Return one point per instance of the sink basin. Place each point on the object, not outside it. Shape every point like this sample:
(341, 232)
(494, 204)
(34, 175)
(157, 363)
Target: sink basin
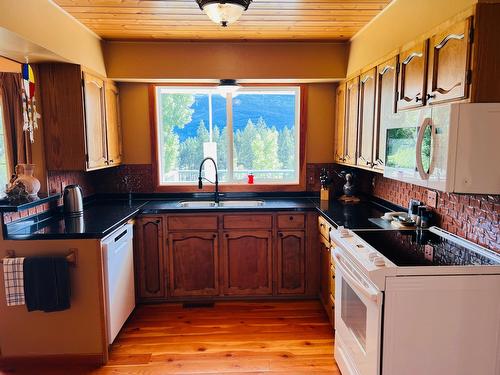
(197, 204)
(228, 203)
(241, 203)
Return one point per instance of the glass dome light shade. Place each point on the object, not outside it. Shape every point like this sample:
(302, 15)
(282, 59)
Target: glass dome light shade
(223, 13)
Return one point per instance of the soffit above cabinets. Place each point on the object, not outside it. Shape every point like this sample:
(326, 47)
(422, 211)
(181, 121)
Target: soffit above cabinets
(264, 19)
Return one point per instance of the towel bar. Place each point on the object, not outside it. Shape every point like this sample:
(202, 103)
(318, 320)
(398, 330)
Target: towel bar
(72, 257)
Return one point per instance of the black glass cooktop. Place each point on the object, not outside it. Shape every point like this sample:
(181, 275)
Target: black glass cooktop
(424, 248)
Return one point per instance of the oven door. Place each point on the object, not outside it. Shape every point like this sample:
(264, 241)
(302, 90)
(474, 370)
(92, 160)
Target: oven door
(358, 313)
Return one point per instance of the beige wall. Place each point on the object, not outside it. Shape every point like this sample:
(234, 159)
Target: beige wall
(42, 26)
(74, 331)
(216, 60)
(401, 22)
(134, 104)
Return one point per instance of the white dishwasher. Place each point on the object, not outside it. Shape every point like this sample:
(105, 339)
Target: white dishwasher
(118, 256)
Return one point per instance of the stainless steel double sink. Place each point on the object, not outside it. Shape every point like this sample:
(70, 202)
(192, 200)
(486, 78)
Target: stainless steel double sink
(225, 203)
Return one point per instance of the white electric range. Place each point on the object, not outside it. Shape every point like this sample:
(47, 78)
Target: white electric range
(415, 303)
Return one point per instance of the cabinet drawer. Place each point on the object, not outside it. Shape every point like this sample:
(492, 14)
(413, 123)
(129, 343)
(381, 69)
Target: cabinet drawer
(324, 228)
(248, 221)
(192, 222)
(291, 221)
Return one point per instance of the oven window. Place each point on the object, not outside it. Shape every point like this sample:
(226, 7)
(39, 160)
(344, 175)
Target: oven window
(353, 314)
(400, 148)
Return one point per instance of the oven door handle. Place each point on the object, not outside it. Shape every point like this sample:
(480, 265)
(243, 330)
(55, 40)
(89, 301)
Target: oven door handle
(370, 292)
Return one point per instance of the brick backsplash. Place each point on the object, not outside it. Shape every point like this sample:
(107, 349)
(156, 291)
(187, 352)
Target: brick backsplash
(471, 216)
(137, 178)
(58, 180)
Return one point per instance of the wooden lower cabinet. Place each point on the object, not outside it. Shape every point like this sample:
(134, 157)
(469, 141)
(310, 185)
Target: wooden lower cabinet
(247, 258)
(150, 258)
(327, 278)
(214, 256)
(193, 264)
(290, 262)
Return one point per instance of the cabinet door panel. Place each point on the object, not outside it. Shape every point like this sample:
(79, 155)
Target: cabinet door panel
(340, 124)
(193, 264)
(351, 130)
(150, 258)
(412, 79)
(385, 107)
(113, 125)
(449, 63)
(366, 118)
(247, 263)
(326, 275)
(291, 261)
(95, 122)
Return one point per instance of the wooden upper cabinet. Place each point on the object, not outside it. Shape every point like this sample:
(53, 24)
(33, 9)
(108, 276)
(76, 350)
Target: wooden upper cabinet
(385, 103)
(81, 121)
(193, 264)
(95, 121)
(113, 128)
(149, 258)
(412, 76)
(340, 124)
(291, 262)
(366, 118)
(351, 120)
(247, 259)
(449, 63)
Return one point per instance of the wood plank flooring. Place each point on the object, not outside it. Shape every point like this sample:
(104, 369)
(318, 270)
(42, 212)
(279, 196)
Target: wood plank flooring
(285, 337)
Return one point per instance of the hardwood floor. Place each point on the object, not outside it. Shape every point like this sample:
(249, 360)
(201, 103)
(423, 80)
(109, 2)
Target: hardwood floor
(286, 337)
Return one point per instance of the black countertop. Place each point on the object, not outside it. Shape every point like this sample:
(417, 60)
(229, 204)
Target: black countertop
(270, 204)
(354, 215)
(103, 216)
(99, 219)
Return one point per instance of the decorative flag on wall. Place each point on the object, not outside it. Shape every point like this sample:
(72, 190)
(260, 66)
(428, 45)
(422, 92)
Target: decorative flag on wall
(30, 114)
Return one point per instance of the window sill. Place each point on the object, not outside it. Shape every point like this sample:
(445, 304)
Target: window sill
(231, 188)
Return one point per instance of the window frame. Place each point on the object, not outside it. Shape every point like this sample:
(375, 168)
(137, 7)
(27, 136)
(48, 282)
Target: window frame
(223, 186)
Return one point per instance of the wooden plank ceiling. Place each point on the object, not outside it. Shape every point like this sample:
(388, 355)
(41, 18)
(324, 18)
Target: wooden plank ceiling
(264, 20)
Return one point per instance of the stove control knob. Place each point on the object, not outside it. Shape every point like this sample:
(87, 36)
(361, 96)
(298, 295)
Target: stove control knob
(344, 233)
(372, 255)
(379, 261)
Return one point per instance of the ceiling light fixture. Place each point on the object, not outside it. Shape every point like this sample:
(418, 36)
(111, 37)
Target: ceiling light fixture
(228, 86)
(223, 12)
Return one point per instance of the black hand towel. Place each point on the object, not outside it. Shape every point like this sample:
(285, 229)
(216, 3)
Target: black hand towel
(46, 283)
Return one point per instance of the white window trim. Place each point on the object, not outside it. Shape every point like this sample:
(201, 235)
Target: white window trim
(230, 132)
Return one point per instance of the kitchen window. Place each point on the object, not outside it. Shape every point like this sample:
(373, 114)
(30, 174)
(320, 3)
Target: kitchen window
(253, 131)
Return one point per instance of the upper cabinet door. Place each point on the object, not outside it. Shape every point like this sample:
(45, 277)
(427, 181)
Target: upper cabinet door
(113, 125)
(351, 120)
(449, 63)
(340, 124)
(95, 122)
(412, 78)
(366, 118)
(385, 107)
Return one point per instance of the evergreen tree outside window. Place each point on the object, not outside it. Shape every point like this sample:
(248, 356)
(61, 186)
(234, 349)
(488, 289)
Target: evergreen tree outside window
(256, 131)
